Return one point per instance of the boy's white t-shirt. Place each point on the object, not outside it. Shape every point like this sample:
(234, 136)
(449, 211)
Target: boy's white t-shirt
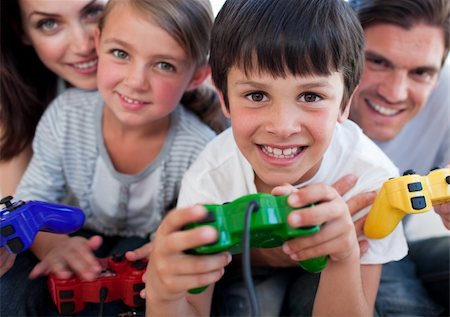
(222, 174)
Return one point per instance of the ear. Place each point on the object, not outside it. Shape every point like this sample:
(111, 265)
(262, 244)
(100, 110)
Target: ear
(97, 40)
(343, 114)
(200, 75)
(225, 111)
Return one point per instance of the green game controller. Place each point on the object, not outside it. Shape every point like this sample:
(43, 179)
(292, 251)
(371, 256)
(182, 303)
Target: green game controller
(268, 228)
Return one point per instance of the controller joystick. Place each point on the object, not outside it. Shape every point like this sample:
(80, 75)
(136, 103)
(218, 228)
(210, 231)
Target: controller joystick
(120, 279)
(408, 194)
(20, 221)
(268, 227)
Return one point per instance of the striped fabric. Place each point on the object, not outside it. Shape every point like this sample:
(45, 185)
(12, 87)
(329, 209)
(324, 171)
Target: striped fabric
(68, 147)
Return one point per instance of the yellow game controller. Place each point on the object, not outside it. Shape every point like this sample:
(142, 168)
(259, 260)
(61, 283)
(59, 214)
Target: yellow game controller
(408, 194)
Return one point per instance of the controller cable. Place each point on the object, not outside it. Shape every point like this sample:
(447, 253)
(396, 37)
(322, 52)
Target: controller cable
(102, 297)
(246, 267)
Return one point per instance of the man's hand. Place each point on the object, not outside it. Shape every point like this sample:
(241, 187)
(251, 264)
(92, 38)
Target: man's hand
(356, 204)
(444, 210)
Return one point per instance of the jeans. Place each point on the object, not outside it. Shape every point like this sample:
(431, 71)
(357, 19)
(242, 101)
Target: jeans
(280, 291)
(20, 296)
(417, 285)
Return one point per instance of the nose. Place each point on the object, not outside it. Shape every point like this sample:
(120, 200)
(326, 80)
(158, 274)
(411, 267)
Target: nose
(394, 86)
(284, 120)
(82, 40)
(137, 77)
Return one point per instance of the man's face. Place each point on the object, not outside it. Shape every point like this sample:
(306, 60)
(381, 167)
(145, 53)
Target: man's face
(400, 72)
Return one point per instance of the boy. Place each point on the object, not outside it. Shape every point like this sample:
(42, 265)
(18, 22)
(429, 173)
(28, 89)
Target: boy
(285, 72)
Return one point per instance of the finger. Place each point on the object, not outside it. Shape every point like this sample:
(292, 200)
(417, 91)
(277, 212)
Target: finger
(316, 215)
(197, 264)
(95, 242)
(285, 189)
(143, 294)
(178, 218)
(360, 201)
(140, 253)
(359, 226)
(345, 183)
(312, 194)
(42, 268)
(84, 263)
(6, 262)
(363, 246)
(187, 239)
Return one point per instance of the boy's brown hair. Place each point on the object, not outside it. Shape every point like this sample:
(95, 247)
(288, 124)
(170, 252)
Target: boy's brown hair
(298, 37)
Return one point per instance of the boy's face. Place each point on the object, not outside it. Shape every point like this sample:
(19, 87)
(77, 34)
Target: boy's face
(283, 125)
(400, 73)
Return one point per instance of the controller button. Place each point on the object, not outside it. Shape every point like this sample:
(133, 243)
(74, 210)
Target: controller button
(415, 187)
(16, 245)
(409, 172)
(138, 300)
(8, 230)
(139, 265)
(67, 308)
(66, 294)
(138, 287)
(447, 179)
(418, 202)
(210, 217)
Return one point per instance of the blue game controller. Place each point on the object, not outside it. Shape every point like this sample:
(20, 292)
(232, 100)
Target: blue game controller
(20, 222)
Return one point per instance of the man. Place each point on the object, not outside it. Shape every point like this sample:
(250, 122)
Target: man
(403, 104)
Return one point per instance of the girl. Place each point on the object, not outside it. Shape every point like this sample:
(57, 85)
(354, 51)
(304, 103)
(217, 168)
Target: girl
(46, 45)
(121, 151)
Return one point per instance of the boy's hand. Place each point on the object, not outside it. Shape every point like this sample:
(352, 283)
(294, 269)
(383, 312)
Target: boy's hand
(337, 236)
(171, 272)
(6, 261)
(73, 255)
(140, 253)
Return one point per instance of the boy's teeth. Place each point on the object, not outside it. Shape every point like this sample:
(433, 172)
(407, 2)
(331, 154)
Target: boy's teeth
(383, 110)
(280, 153)
(86, 64)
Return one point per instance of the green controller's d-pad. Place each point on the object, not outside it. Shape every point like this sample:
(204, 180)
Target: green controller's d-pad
(268, 227)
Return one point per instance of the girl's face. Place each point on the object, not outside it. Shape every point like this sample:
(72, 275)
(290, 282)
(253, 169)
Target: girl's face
(62, 33)
(283, 126)
(142, 71)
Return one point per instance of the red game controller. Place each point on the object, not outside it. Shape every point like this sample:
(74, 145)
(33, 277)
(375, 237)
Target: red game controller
(120, 279)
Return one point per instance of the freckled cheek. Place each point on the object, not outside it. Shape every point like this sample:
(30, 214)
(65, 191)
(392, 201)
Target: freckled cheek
(168, 93)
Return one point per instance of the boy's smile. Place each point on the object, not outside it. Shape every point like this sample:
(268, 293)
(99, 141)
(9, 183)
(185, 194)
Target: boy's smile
(283, 126)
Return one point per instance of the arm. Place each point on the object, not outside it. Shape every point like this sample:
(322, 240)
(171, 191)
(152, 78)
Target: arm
(171, 272)
(11, 172)
(337, 238)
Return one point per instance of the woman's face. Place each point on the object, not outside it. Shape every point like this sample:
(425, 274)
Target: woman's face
(62, 33)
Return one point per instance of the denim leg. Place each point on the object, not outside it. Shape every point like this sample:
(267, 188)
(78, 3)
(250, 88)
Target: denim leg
(300, 293)
(20, 296)
(431, 257)
(401, 292)
(230, 293)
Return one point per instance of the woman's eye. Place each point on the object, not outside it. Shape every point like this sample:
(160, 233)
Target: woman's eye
(119, 54)
(256, 96)
(166, 67)
(95, 12)
(47, 25)
(309, 97)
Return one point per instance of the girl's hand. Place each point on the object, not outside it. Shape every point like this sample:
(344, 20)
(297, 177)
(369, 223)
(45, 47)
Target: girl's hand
(337, 236)
(6, 261)
(140, 253)
(73, 255)
(171, 272)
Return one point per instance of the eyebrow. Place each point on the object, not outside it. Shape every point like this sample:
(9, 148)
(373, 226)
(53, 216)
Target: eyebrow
(424, 68)
(310, 85)
(55, 15)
